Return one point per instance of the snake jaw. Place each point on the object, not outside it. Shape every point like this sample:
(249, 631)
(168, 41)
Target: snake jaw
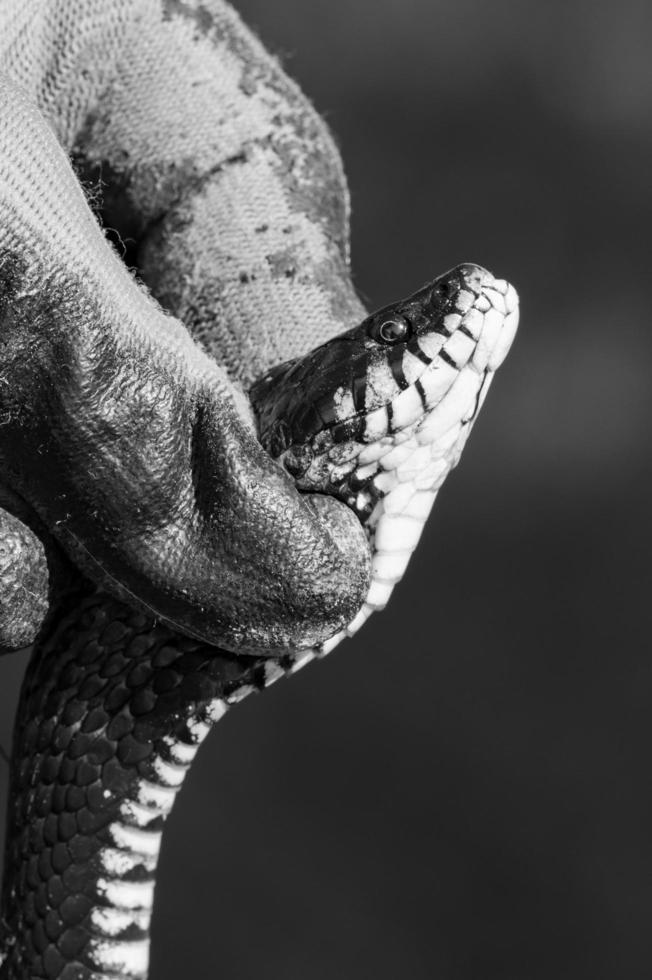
(410, 474)
(397, 432)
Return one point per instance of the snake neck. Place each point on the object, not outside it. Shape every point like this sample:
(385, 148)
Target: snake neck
(113, 709)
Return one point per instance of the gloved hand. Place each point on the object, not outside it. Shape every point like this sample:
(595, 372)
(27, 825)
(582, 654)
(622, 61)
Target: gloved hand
(126, 435)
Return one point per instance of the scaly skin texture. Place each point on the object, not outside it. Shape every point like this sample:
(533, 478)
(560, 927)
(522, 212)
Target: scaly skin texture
(112, 702)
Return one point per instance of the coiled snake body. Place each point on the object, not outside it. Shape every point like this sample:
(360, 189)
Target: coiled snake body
(163, 494)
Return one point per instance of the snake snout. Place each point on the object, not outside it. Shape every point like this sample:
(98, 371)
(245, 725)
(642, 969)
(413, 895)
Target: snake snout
(468, 275)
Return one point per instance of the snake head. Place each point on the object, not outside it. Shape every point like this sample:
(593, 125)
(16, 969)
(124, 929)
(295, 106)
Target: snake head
(378, 417)
(384, 373)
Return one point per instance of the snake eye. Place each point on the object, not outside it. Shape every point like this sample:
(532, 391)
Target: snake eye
(391, 331)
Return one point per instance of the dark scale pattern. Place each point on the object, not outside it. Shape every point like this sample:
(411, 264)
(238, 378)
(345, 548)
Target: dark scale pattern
(104, 688)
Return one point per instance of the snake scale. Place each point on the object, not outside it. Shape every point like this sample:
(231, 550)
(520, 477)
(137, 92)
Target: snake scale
(175, 568)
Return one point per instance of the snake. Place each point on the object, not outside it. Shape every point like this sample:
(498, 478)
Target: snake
(376, 417)
(386, 411)
(129, 675)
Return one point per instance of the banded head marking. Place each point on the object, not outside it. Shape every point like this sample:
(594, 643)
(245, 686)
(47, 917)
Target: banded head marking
(385, 375)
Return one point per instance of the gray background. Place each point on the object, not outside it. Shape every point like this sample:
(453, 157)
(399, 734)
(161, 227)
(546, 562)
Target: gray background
(462, 792)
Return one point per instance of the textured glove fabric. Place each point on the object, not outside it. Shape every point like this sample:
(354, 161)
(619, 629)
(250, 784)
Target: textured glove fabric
(129, 440)
(24, 586)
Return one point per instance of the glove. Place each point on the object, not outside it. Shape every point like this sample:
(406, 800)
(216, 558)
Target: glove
(126, 436)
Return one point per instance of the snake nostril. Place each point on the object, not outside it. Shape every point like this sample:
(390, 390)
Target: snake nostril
(473, 276)
(443, 290)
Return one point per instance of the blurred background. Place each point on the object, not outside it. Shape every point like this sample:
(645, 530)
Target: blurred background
(462, 792)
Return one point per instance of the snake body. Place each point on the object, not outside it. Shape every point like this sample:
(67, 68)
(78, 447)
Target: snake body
(183, 607)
